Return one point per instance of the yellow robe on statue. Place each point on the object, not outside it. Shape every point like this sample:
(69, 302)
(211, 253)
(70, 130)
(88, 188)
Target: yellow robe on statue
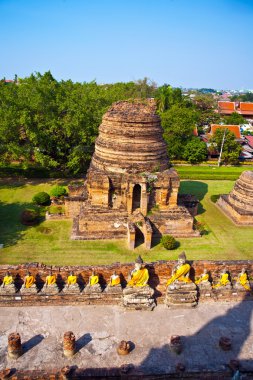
(93, 280)
(243, 280)
(203, 278)
(51, 280)
(29, 281)
(180, 274)
(71, 280)
(8, 280)
(139, 278)
(115, 281)
(223, 281)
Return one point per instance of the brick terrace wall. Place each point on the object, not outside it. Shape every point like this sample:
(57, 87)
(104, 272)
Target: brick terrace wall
(118, 374)
(159, 272)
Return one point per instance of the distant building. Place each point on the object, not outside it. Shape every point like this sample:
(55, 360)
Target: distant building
(246, 109)
(235, 129)
(242, 108)
(8, 81)
(245, 141)
(226, 108)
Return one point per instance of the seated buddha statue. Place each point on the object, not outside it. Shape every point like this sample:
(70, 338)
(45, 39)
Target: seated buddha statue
(72, 285)
(93, 284)
(138, 294)
(180, 274)
(224, 282)
(203, 280)
(181, 290)
(242, 281)
(114, 284)
(50, 285)
(114, 279)
(8, 285)
(139, 275)
(29, 285)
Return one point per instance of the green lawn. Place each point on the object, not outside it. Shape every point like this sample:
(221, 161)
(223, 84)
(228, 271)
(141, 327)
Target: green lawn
(211, 172)
(49, 242)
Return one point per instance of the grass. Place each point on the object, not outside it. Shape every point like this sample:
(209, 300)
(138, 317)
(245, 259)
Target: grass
(211, 172)
(49, 241)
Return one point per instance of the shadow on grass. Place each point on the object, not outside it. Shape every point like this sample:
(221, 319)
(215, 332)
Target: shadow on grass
(10, 183)
(197, 188)
(11, 227)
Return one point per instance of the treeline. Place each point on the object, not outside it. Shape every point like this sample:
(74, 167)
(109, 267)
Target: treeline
(53, 124)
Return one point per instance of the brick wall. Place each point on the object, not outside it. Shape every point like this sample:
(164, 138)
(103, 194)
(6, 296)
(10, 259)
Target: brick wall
(159, 272)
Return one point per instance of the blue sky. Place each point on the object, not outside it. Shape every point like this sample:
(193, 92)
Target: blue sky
(189, 43)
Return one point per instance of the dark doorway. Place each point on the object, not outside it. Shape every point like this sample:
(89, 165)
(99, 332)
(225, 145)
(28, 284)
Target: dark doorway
(139, 237)
(136, 197)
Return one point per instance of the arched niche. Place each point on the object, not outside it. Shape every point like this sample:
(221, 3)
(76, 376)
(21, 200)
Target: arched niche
(136, 201)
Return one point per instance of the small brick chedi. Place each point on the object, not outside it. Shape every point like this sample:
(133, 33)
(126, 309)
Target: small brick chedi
(130, 190)
(238, 204)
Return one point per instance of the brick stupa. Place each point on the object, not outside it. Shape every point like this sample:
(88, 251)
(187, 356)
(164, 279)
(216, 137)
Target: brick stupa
(130, 190)
(238, 204)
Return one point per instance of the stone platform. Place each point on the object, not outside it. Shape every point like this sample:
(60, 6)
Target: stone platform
(238, 204)
(99, 329)
(238, 216)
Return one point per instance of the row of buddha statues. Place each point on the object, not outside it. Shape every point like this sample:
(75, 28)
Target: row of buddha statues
(138, 278)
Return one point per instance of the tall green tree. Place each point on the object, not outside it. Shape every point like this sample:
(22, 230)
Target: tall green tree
(231, 148)
(178, 125)
(167, 97)
(234, 119)
(195, 151)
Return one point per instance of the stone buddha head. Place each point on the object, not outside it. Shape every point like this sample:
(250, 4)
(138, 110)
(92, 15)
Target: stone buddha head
(138, 263)
(182, 258)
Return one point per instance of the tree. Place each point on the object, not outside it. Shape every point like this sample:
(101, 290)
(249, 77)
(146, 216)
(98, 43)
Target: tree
(204, 102)
(195, 151)
(231, 148)
(178, 124)
(235, 119)
(167, 96)
(248, 97)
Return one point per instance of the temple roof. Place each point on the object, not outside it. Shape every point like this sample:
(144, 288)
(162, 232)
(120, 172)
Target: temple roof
(235, 129)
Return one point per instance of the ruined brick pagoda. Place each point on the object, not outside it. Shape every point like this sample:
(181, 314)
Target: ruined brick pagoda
(130, 190)
(238, 204)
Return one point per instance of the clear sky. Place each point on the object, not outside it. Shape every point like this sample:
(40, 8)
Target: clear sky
(189, 43)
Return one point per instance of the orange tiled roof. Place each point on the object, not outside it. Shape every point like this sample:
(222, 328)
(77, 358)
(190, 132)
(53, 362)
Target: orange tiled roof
(226, 106)
(232, 128)
(246, 108)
